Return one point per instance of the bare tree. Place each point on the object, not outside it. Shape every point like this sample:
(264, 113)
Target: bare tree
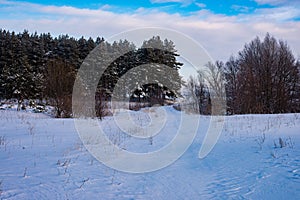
(231, 70)
(263, 78)
(216, 84)
(267, 77)
(101, 103)
(198, 95)
(60, 76)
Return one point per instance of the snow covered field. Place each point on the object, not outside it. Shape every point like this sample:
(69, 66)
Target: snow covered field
(44, 158)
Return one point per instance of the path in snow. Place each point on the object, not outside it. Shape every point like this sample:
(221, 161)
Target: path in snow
(43, 158)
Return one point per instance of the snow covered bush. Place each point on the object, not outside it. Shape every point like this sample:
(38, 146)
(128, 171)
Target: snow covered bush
(284, 143)
(2, 140)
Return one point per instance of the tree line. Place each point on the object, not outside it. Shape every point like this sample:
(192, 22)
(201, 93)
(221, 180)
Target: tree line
(263, 78)
(36, 66)
(44, 67)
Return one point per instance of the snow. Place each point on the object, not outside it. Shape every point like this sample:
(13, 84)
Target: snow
(44, 158)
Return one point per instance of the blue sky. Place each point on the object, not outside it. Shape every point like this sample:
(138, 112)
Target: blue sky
(228, 7)
(221, 27)
(183, 7)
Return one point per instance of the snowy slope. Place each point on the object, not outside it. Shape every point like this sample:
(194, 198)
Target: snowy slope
(44, 158)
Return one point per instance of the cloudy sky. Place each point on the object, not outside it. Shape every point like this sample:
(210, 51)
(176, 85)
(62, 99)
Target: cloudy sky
(222, 27)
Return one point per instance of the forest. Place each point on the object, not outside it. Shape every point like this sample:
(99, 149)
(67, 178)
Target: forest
(262, 78)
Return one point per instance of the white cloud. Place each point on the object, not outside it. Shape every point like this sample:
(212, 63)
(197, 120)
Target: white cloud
(280, 13)
(167, 1)
(240, 8)
(220, 35)
(201, 5)
(270, 2)
(183, 2)
(5, 2)
(294, 3)
(275, 15)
